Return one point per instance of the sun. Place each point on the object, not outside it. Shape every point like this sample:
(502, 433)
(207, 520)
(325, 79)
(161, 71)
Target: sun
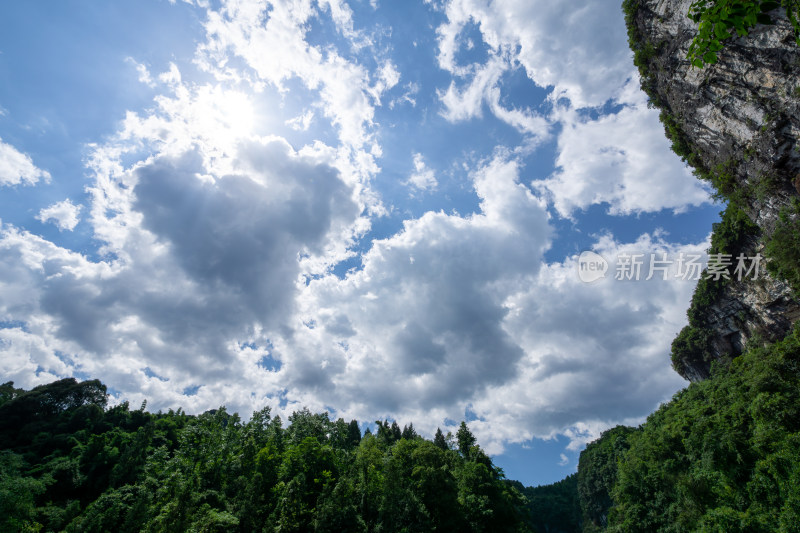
(238, 113)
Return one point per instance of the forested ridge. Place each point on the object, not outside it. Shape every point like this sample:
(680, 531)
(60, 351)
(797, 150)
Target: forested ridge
(70, 463)
(722, 455)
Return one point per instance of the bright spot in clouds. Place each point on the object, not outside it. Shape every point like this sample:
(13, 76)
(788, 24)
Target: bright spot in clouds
(374, 209)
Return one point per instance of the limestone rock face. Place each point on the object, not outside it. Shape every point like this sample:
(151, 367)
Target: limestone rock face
(739, 118)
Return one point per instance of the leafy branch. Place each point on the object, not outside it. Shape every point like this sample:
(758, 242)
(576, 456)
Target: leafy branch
(721, 20)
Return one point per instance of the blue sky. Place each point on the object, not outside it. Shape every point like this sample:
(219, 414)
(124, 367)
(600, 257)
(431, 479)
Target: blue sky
(371, 207)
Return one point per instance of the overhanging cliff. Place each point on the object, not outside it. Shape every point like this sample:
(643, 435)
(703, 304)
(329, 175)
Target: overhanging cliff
(737, 122)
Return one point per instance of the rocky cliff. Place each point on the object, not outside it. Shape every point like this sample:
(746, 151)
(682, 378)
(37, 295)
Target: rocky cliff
(737, 122)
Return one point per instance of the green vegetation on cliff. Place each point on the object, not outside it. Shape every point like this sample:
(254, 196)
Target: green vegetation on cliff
(783, 248)
(693, 343)
(721, 20)
(723, 455)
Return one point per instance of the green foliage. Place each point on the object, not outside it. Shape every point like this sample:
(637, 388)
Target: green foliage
(597, 475)
(720, 20)
(466, 440)
(17, 495)
(79, 467)
(732, 232)
(721, 456)
(783, 248)
(439, 439)
(692, 344)
(643, 53)
(643, 50)
(554, 508)
(8, 392)
(730, 237)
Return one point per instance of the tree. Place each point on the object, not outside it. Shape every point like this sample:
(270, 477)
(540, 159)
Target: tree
(337, 511)
(353, 433)
(435, 486)
(466, 440)
(554, 508)
(597, 475)
(409, 433)
(396, 433)
(8, 392)
(95, 469)
(17, 495)
(439, 440)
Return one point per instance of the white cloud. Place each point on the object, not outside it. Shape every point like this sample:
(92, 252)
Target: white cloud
(207, 233)
(423, 178)
(596, 355)
(270, 38)
(466, 103)
(16, 167)
(142, 71)
(203, 264)
(622, 159)
(65, 215)
(576, 47)
(301, 122)
(408, 96)
(579, 50)
(427, 307)
(388, 77)
(172, 76)
(460, 311)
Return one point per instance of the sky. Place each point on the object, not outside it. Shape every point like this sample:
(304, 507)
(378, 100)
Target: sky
(374, 208)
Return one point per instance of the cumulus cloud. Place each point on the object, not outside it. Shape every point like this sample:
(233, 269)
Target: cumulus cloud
(244, 232)
(578, 48)
(423, 178)
(301, 122)
(208, 232)
(622, 159)
(16, 167)
(579, 51)
(428, 304)
(142, 71)
(64, 214)
(346, 90)
(205, 264)
(459, 313)
(596, 354)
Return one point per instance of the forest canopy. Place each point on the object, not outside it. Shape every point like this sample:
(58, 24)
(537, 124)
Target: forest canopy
(70, 463)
